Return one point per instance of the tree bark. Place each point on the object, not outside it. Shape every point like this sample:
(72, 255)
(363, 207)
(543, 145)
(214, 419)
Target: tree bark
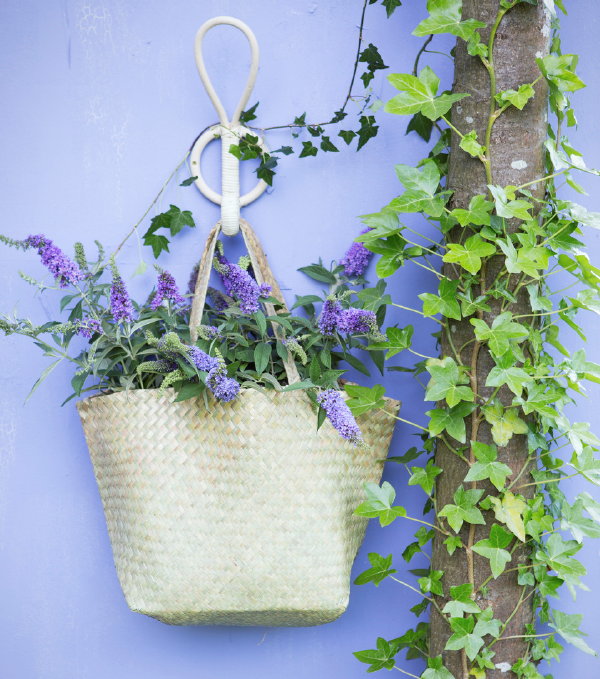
(517, 157)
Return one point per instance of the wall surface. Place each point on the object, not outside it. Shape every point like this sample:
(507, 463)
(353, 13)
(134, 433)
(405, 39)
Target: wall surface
(101, 99)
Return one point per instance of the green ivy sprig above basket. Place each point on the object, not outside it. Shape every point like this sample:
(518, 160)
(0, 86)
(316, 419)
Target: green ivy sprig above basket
(116, 343)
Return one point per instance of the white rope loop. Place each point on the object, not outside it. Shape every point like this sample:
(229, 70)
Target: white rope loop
(230, 132)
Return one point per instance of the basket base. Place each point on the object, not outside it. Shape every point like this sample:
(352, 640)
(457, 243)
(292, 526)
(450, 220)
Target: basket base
(265, 618)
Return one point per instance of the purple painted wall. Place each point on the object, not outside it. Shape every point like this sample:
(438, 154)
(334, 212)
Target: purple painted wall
(100, 101)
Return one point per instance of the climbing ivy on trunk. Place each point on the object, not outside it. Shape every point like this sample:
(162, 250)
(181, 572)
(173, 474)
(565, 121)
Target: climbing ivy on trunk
(498, 442)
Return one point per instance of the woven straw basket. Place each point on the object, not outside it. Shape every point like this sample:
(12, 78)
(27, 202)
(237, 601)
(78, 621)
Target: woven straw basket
(235, 514)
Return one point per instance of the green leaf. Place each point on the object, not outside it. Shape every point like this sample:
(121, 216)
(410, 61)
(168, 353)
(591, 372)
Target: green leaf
(431, 583)
(418, 95)
(446, 382)
(502, 332)
(379, 504)
(567, 625)
(424, 476)
(560, 71)
(492, 548)
(446, 304)
(398, 339)
(262, 354)
(319, 273)
(347, 135)
(469, 634)
(308, 149)
(445, 17)
(379, 658)
(477, 214)
(380, 569)
(364, 399)
(516, 98)
(327, 144)
(451, 420)
(469, 255)
(487, 466)
(189, 390)
(367, 130)
(572, 519)
(505, 372)
(470, 144)
(391, 6)
(174, 220)
(505, 423)
(463, 509)
(436, 670)
(518, 209)
(461, 601)
(452, 542)
(188, 182)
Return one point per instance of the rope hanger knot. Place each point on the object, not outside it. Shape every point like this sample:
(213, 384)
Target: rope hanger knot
(230, 132)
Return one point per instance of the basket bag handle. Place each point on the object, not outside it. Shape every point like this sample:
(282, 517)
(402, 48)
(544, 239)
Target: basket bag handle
(262, 273)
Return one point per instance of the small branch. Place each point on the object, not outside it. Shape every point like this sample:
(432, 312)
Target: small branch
(420, 53)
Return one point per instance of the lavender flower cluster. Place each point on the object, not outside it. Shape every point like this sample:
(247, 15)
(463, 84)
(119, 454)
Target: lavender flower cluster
(352, 321)
(166, 290)
(88, 327)
(239, 284)
(120, 303)
(356, 259)
(340, 415)
(64, 270)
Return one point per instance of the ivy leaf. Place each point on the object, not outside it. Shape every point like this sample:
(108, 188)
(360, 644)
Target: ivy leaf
(557, 554)
(249, 114)
(560, 71)
(451, 420)
(379, 658)
(421, 125)
(572, 519)
(431, 583)
(379, 504)
(347, 135)
(370, 56)
(328, 145)
(446, 304)
(308, 149)
(398, 339)
(501, 333)
(470, 144)
(421, 188)
(424, 476)
(509, 510)
(567, 625)
(418, 95)
(445, 17)
(505, 372)
(469, 255)
(492, 548)
(487, 466)
(446, 382)
(436, 670)
(188, 182)
(367, 130)
(477, 214)
(172, 220)
(461, 601)
(517, 98)
(463, 509)
(518, 209)
(464, 637)
(452, 542)
(391, 6)
(364, 399)
(380, 569)
(505, 423)
(528, 260)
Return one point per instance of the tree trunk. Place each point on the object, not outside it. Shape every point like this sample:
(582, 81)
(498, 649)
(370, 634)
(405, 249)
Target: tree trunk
(517, 157)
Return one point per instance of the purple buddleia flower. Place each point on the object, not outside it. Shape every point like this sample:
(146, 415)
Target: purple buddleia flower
(120, 304)
(64, 270)
(88, 327)
(356, 259)
(224, 388)
(264, 290)
(166, 289)
(355, 321)
(328, 320)
(209, 332)
(202, 360)
(238, 283)
(339, 414)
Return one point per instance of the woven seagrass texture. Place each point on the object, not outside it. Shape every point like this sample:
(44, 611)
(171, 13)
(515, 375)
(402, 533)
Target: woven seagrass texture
(238, 513)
